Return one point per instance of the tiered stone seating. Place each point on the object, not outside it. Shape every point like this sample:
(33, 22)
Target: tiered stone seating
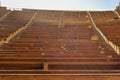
(55, 45)
(6, 31)
(2, 11)
(73, 18)
(17, 18)
(59, 43)
(14, 21)
(108, 25)
(46, 18)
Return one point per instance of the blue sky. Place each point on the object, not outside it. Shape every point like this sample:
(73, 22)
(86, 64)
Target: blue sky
(62, 4)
